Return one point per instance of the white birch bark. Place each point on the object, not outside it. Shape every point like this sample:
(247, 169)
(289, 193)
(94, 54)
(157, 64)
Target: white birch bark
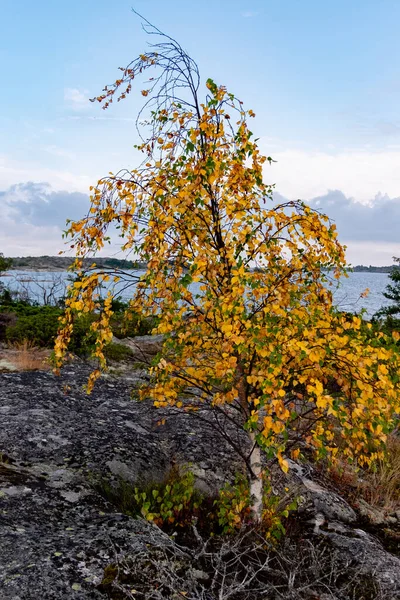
(256, 484)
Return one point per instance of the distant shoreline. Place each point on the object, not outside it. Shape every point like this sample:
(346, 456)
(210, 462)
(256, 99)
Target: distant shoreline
(62, 263)
(34, 270)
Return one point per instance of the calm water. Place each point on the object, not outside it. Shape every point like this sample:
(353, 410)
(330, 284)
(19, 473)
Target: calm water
(38, 285)
(347, 294)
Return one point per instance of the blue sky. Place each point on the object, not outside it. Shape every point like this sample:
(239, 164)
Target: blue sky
(322, 77)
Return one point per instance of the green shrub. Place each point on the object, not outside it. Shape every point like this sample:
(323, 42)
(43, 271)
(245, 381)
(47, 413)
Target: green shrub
(83, 339)
(117, 352)
(175, 502)
(233, 504)
(6, 297)
(233, 508)
(23, 307)
(389, 325)
(123, 326)
(37, 324)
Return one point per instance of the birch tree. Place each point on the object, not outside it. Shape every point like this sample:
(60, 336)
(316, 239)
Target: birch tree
(237, 280)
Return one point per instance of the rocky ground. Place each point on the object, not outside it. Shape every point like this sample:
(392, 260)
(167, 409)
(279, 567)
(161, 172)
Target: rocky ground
(58, 535)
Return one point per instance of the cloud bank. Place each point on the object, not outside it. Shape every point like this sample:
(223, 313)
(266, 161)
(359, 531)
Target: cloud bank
(34, 216)
(377, 221)
(360, 173)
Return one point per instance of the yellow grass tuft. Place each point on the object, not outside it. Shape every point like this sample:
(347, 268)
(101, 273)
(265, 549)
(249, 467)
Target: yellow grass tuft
(381, 484)
(27, 357)
(378, 485)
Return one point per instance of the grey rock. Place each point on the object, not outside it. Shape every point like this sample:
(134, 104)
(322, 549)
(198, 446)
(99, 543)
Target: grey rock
(6, 365)
(200, 575)
(58, 534)
(333, 518)
(319, 500)
(371, 557)
(143, 347)
(374, 515)
(15, 491)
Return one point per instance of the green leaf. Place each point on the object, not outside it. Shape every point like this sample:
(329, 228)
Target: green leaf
(186, 280)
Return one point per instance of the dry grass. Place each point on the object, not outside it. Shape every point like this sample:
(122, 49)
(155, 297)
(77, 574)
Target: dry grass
(27, 357)
(238, 567)
(380, 486)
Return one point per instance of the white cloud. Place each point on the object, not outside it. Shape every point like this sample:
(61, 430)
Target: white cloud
(12, 172)
(29, 240)
(39, 205)
(360, 174)
(76, 99)
(371, 253)
(248, 14)
(374, 221)
(370, 229)
(358, 188)
(33, 217)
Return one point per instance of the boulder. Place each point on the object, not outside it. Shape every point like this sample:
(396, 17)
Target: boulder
(331, 517)
(143, 347)
(59, 535)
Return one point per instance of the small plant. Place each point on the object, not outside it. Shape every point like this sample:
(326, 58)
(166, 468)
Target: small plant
(38, 324)
(234, 508)
(233, 504)
(276, 510)
(174, 501)
(175, 504)
(128, 324)
(22, 320)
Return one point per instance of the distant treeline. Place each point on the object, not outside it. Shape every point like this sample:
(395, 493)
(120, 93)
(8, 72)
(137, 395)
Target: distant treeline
(61, 263)
(371, 269)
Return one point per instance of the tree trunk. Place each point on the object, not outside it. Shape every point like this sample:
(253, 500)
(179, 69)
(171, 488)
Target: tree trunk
(256, 483)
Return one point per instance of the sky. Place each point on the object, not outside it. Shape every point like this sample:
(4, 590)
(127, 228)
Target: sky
(322, 77)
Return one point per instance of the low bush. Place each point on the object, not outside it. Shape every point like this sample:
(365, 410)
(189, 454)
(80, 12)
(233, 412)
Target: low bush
(6, 297)
(38, 324)
(388, 325)
(21, 321)
(83, 339)
(117, 352)
(175, 503)
(6, 320)
(171, 503)
(123, 326)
